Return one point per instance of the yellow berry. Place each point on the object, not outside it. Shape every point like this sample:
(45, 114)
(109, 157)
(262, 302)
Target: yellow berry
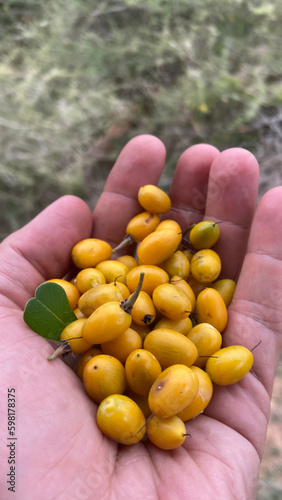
(171, 302)
(171, 347)
(203, 397)
(88, 278)
(158, 246)
(113, 270)
(207, 339)
(204, 234)
(89, 252)
(172, 390)
(153, 199)
(153, 276)
(72, 333)
(205, 265)
(141, 370)
(103, 375)
(226, 288)
(84, 358)
(229, 365)
(121, 419)
(123, 345)
(211, 308)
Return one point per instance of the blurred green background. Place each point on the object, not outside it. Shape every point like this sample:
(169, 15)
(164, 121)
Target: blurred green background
(79, 78)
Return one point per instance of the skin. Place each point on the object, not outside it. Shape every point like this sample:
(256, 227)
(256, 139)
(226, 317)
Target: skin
(61, 453)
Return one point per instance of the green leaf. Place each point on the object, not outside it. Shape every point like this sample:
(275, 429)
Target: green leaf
(49, 312)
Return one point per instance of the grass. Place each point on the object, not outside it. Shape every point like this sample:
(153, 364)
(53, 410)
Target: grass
(78, 80)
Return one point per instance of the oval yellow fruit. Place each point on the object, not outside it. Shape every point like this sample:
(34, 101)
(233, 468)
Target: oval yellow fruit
(172, 390)
(211, 308)
(229, 365)
(121, 419)
(170, 347)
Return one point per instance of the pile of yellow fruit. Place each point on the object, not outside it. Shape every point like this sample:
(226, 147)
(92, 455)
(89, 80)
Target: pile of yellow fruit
(149, 329)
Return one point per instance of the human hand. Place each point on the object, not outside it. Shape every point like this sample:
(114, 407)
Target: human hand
(60, 452)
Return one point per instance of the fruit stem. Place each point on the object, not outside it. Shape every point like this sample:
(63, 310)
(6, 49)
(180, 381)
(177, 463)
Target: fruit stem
(127, 240)
(256, 346)
(62, 348)
(185, 231)
(186, 244)
(148, 420)
(128, 304)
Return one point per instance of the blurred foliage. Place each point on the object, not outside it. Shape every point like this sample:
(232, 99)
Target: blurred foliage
(78, 79)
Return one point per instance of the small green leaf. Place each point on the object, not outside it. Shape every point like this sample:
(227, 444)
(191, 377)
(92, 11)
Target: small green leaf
(49, 312)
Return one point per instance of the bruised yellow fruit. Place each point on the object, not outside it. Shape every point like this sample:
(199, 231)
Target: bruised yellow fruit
(103, 375)
(89, 252)
(141, 225)
(173, 390)
(171, 302)
(121, 419)
(205, 265)
(177, 264)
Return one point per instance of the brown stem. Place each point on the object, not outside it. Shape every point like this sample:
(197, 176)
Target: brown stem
(128, 304)
(185, 231)
(127, 240)
(148, 420)
(256, 345)
(62, 348)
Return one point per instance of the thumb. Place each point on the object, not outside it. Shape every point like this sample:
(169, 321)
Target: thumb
(42, 249)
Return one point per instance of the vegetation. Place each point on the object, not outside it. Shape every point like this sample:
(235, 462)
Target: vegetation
(79, 79)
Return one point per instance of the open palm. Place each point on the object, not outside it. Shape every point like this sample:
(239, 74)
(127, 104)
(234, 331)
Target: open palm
(60, 452)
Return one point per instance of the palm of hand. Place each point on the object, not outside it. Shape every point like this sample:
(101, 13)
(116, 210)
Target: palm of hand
(60, 452)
